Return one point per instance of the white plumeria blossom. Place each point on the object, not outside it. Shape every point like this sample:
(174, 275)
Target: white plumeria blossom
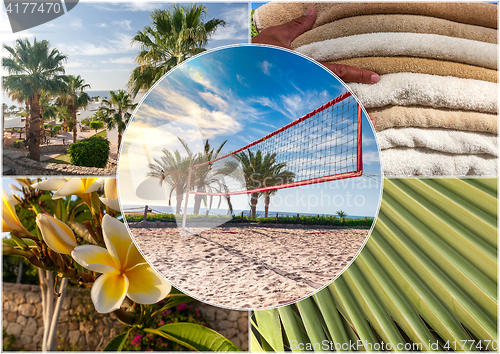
(56, 234)
(69, 186)
(110, 198)
(124, 270)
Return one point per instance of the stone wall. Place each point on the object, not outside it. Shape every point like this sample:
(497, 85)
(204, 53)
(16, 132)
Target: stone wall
(22, 166)
(82, 328)
(62, 149)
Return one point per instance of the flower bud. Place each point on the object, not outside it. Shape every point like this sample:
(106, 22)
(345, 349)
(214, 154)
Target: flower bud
(56, 234)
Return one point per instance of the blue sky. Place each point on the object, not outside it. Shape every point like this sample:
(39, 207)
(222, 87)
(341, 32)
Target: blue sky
(96, 36)
(240, 94)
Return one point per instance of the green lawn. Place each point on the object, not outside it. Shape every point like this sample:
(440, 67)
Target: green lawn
(63, 159)
(102, 134)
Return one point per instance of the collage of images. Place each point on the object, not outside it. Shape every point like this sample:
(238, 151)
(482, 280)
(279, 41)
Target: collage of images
(256, 177)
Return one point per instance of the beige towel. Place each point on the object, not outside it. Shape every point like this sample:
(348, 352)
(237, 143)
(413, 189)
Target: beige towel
(404, 44)
(428, 117)
(441, 140)
(401, 162)
(473, 13)
(389, 65)
(408, 89)
(395, 23)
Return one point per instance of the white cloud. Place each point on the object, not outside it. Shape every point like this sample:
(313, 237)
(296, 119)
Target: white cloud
(125, 24)
(121, 43)
(237, 25)
(122, 60)
(130, 6)
(266, 67)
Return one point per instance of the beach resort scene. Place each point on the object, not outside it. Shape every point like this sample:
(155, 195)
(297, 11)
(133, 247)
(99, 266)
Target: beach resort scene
(242, 175)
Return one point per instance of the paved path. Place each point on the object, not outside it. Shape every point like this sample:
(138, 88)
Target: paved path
(67, 138)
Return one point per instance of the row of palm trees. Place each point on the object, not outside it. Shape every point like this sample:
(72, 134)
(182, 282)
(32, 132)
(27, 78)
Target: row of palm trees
(37, 77)
(251, 169)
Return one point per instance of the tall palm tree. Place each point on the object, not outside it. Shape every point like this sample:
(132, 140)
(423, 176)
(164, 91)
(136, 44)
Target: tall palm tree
(173, 169)
(259, 170)
(173, 36)
(33, 68)
(203, 179)
(117, 113)
(74, 98)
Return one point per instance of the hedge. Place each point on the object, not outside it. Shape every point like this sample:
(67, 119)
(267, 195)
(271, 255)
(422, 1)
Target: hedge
(91, 152)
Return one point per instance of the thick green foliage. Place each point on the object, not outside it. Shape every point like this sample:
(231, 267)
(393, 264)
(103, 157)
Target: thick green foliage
(96, 124)
(91, 152)
(303, 220)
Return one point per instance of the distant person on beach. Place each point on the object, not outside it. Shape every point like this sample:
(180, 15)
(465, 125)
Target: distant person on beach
(283, 35)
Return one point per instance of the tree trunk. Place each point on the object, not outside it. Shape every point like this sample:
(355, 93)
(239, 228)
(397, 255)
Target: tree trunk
(35, 126)
(26, 122)
(197, 202)
(267, 200)
(179, 198)
(254, 198)
(65, 123)
(119, 143)
(229, 206)
(73, 109)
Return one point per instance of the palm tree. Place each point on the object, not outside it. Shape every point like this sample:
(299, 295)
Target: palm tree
(173, 36)
(173, 169)
(341, 214)
(259, 170)
(74, 98)
(203, 179)
(33, 68)
(117, 113)
(276, 175)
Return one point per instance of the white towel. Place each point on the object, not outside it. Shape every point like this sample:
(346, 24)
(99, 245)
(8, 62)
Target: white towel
(401, 162)
(405, 89)
(442, 140)
(422, 45)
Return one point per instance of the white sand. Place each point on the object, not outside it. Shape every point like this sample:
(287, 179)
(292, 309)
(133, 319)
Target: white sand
(248, 266)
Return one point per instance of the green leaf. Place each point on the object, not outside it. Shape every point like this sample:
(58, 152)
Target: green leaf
(269, 327)
(117, 343)
(195, 337)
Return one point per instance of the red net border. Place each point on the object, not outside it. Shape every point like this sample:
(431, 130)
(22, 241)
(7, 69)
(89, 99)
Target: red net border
(357, 173)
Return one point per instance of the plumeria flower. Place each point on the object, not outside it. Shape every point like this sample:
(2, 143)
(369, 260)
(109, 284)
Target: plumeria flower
(110, 198)
(69, 186)
(56, 234)
(10, 221)
(124, 270)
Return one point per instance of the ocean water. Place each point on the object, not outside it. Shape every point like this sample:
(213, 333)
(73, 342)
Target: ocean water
(92, 93)
(260, 213)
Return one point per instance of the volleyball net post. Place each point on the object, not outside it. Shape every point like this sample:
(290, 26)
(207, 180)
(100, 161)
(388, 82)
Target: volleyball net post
(322, 146)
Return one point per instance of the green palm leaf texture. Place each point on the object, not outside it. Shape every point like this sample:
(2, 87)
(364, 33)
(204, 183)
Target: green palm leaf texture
(426, 279)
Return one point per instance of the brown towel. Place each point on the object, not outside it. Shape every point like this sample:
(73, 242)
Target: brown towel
(389, 65)
(473, 13)
(395, 23)
(428, 117)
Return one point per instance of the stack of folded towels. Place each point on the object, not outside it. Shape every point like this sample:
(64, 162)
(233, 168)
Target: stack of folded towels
(435, 106)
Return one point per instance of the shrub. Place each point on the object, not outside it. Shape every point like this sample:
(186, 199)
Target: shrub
(96, 124)
(91, 152)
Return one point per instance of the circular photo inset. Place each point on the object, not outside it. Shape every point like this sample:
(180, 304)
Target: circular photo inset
(249, 177)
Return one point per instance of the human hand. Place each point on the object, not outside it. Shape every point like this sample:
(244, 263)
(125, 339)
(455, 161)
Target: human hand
(283, 35)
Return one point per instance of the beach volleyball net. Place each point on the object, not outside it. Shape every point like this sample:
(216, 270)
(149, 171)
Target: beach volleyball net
(323, 145)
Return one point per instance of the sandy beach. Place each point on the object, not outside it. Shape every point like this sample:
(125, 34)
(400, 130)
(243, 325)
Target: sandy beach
(250, 266)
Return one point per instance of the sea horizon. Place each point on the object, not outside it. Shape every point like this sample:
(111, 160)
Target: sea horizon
(260, 213)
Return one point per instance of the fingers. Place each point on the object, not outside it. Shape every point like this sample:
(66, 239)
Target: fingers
(296, 27)
(352, 74)
(284, 34)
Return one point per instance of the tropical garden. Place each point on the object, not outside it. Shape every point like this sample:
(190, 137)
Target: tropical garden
(36, 79)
